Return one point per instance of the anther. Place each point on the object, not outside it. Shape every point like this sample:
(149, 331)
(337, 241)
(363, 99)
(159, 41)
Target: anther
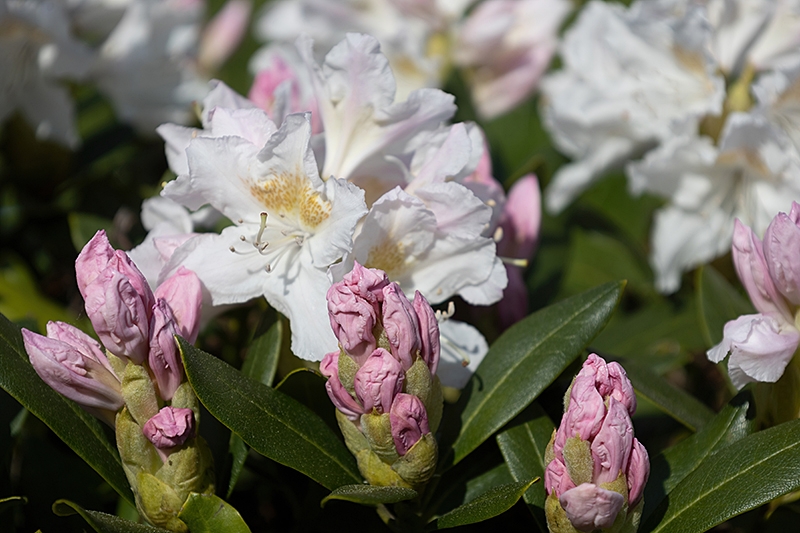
(498, 234)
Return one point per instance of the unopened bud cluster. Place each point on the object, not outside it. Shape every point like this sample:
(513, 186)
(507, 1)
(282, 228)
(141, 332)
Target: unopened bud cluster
(136, 384)
(383, 379)
(596, 469)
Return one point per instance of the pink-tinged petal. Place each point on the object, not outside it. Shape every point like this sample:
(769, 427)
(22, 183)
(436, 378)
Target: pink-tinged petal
(163, 357)
(638, 473)
(119, 314)
(378, 381)
(585, 413)
(76, 338)
(782, 254)
(760, 348)
(589, 507)
(622, 388)
(183, 292)
(611, 448)
(556, 478)
(521, 219)
(401, 325)
(430, 348)
(223, 34)
(751, 266)
(170, 427)
(339, 396)
(74, 373)
(409, 422)
(92, 260)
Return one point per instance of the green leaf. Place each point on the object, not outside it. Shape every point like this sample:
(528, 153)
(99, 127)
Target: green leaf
(717, 302)
(207, 513)
(11, 501)
(733, 423)
(77, 428)
(759, 468)
(526, 359)
(269, 421)
(523, 449)
(369, 495)
(260, 364)
(493, 502)
(308, 387)
(475, 487)
(102, 522)
(677, 403)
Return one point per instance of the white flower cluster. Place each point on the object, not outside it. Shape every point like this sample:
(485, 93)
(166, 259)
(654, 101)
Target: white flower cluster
(141, 54)
(705, 93)
(387, 183)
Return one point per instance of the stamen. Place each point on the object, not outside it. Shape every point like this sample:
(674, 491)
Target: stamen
(242, 238)
(442, 316)
(491, 203)
(461, 353)
(498, 234)
(522, 263)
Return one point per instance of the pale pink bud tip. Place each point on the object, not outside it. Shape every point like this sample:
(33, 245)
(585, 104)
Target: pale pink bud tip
(378, 381)
(638, 473)
(171, 427)
(401, 325)
(183, 292)
(590, 507)
(428, 332)
(409, 422)
(163, 357)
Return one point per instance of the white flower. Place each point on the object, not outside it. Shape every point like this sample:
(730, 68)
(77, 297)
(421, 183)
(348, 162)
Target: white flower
(36, 51)
(631, 78)
(147, 65)
(289, 225)
(749, 176)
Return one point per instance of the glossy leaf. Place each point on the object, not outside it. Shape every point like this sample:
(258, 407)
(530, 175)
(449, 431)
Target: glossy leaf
(717, 302)
(207, 513)
(308, 387)
(77, 428)
(523, 449)
(475, 487)
(678, 404)
(260, 364)
(269, 421)
(669, 468)
(526, 359)
(493, 502)
(369, 495)
(759, 468)
(102, 522)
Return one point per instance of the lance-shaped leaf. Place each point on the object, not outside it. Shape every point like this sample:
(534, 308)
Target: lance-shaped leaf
(526, 359)
(269, 421)
(207, 513)
(77, 428)
(260, 364)
(102, 522)
(669, 468)
(523, 449)
(757, 469)
(717, 302)
(369, 495)
(493, 502)
(677, 403)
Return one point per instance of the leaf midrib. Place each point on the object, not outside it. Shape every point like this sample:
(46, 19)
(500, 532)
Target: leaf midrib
(716, 487)
(519, 361)
(290, 426)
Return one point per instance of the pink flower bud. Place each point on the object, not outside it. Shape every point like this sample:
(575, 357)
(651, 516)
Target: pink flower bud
(589, 507)
(751, 266)
(163, 356)
(171, 427)
(223, 34)
(409, 422)
(585, 413)
(378, 381)
(117, 296)
(329, 367)
(428, 332)
(401, 325)
(638, 472)
(353, 310)
(782, 253)
(74, 365)
(611, 447)
(556, 478)
(184, 294)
